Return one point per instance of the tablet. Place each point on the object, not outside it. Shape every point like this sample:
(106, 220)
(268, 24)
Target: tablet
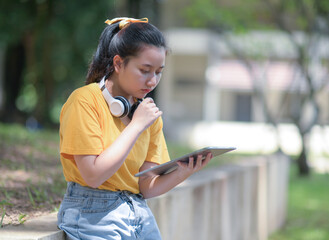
(170, 166)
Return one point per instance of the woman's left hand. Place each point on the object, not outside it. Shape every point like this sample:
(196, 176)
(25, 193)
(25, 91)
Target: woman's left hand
(151, 186)
(187, 169)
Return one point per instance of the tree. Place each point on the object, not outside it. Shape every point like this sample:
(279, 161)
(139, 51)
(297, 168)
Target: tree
(305, 23)
(310, 17)
(48, 46)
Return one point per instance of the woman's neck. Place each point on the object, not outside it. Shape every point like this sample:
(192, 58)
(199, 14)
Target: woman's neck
(116, 90)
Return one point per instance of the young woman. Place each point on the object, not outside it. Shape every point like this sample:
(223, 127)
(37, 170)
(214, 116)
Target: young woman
(109, 132)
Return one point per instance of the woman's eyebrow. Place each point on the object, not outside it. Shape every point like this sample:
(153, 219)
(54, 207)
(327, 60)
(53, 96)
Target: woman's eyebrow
(150, 65)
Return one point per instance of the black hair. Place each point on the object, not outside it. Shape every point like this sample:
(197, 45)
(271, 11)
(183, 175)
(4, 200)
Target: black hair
(126, 42)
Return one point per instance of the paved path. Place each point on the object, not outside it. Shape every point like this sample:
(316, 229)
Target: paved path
(41, 228)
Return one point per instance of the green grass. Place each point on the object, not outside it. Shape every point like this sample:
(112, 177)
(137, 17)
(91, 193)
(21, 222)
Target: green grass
(31, 178)
(308, 209)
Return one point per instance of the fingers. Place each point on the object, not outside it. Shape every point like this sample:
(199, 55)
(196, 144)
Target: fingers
(186, 169)
(207, 159)
(150, 103)
(200, 162)
(191, 163)
(149, 100)
(146, 113)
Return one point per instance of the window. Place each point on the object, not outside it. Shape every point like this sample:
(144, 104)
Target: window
(243, 108)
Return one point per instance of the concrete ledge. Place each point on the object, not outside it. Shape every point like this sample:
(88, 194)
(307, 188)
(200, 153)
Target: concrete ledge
(41, 228)
(242, 201)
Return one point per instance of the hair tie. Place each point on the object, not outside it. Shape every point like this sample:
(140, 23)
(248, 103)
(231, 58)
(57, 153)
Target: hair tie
(124, 21)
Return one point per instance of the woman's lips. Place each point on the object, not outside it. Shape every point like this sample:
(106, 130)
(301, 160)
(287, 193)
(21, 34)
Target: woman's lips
(146, 90)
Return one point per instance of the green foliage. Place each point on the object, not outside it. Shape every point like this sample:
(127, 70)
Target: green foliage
(2, 216)
(7, 195)
(27, 101)
(37, 195)
(22, 218)
(3, 205)
(235, 16)
(30, 196)
(59, 38)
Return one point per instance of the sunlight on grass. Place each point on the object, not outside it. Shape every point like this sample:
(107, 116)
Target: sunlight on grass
(15, 133)
(308, 209)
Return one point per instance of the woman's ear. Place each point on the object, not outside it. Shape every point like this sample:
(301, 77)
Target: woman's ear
(117, 63)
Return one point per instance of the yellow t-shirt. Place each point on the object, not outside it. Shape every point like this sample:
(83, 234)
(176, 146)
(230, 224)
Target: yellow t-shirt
(87, 128)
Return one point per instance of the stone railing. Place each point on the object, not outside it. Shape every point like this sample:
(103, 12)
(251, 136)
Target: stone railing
(244, 201)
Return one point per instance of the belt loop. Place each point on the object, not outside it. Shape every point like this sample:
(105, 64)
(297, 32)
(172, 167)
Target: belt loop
(140, 196)
(124, 195)
(69, 189)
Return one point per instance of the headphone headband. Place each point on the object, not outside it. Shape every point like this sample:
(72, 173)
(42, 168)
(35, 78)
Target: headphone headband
(119, 106)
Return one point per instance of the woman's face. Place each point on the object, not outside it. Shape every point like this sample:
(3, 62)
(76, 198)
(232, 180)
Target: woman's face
(141, 74)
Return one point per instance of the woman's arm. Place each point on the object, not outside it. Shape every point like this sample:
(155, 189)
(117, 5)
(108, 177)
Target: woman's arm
(95, 170)
(152, 186)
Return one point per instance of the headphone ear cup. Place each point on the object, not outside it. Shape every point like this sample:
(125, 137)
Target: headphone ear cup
(124, 108)
(133, 108)
(119, 106)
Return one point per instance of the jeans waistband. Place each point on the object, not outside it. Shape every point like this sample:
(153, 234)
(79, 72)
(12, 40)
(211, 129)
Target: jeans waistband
(75, 189)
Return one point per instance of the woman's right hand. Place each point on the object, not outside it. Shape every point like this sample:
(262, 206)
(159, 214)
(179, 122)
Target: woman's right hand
(94, 169)
(146, 113)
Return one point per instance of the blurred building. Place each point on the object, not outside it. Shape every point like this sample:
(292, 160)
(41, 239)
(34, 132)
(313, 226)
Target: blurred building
(204, 80)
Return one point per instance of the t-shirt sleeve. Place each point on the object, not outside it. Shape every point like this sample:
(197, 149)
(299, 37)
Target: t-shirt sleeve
(158, 151)
(80, 129)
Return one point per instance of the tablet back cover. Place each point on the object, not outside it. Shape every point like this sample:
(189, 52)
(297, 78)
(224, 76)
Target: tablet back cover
(170, 166)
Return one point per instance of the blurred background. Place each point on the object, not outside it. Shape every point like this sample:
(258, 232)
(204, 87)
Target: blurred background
(251, 74)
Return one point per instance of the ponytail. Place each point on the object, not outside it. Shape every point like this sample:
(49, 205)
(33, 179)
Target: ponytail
(102, 63)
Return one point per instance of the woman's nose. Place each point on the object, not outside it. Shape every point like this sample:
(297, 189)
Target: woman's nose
(153, 80)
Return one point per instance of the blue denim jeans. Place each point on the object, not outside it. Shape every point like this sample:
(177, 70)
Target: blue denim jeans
(92, 214)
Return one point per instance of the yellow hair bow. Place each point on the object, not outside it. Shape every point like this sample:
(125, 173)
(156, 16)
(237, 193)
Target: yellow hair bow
(124, 21)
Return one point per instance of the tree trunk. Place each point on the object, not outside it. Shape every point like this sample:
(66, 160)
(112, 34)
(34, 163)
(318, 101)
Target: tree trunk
(303, 167)
(45, 84)
(14, 66)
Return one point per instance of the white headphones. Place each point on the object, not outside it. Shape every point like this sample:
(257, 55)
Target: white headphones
(119, 106)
